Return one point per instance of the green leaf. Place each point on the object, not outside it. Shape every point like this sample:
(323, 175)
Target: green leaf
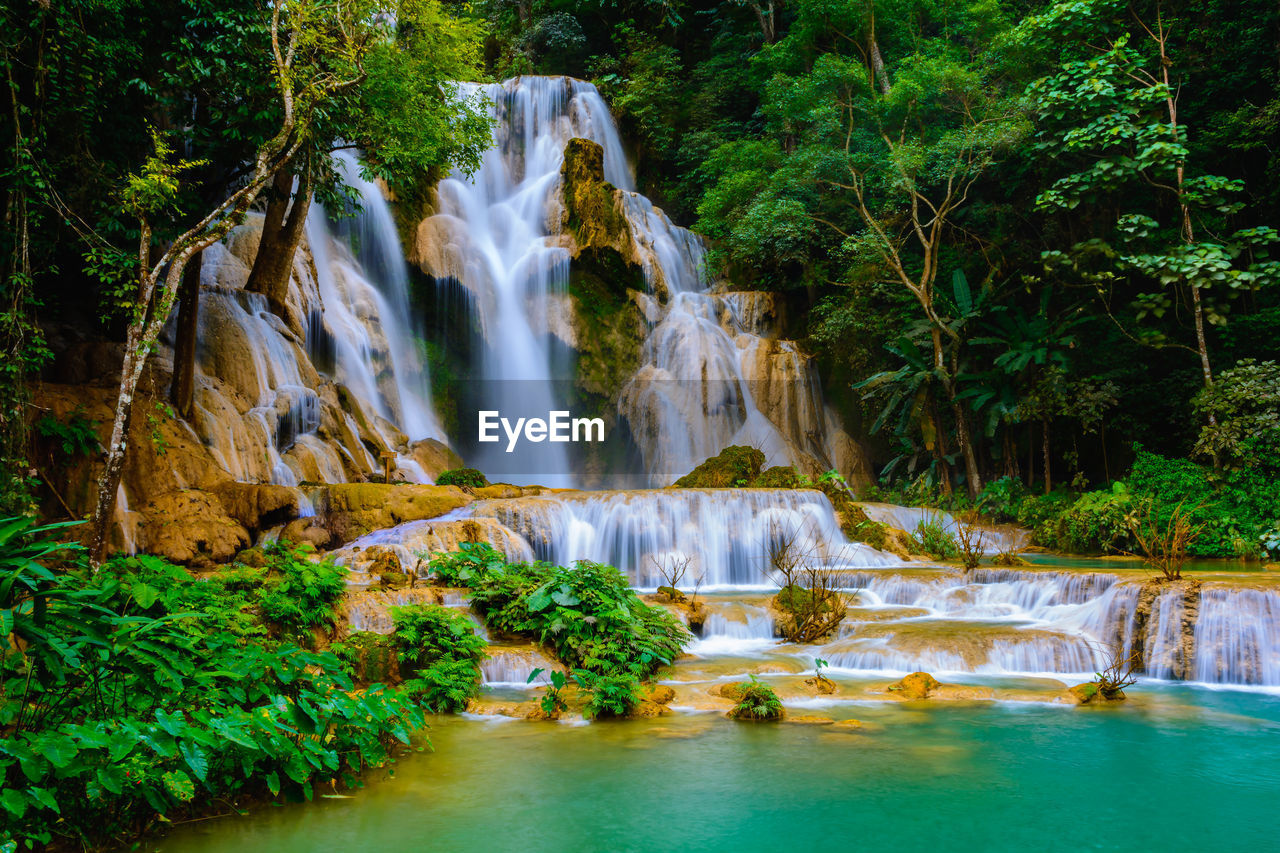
(195, 758)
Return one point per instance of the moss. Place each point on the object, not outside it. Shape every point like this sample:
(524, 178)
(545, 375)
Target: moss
(736, 465)
(611, 328)
(778, 477)
(357, 508)
(591, 211)
(463, 477)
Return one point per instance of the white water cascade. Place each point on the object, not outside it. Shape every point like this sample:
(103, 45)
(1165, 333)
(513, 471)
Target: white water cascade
(725, 533)
(709, 377)
(406, 394)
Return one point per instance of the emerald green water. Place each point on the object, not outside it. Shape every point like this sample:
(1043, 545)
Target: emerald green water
(1175, 768)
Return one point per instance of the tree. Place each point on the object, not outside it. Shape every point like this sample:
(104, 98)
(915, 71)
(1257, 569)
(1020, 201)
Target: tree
(1112, 114)
(317, 50)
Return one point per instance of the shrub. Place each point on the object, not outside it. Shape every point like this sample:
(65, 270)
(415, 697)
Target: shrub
(934, 538)
(150, 708)
(463, 567)
(591, 618)
(299, 595)
(1243, 413)
(758, 702)
(1001, 499)
(439, 656)
(466, 478)
(1097, 521)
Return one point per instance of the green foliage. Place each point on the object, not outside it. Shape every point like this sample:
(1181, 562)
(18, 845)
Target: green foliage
(552, 702)
(1001, 498)
(758, 702)
(933, 537)
(463, 567)
(296, 594)
(127, 702)
(77, 437)
(1242, 414)
(591, 618)
(1096, 521)
(440, 655)
(467, 478)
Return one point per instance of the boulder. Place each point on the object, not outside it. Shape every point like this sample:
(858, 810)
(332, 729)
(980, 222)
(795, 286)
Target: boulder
(917, 685)
(354, 509)
(256, 506)
(736, 465)
(191, 528)
(306, 531)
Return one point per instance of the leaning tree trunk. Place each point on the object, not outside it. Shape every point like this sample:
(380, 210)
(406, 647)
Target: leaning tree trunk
(182, 389)
(281, 235)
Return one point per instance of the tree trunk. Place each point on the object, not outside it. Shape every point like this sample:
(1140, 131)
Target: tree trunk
(182, 389)
(281, 235)
(972, 477)
(940, 448)
(1031, 454)
(877, 64)
(1048, 478)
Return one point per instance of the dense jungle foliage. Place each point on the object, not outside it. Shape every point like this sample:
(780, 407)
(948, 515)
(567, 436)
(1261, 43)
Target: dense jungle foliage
(1022, 237)
(1031, 238)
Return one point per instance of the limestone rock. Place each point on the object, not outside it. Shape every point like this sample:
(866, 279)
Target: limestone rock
(810, 720)
(258, 507)
(354, 509)
(191, 528)
(822, 686)
(917, 685)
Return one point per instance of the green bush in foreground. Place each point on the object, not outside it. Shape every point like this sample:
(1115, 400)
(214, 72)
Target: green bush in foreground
(137, 695)
(589, 617)
(757, 702)
(439, 656)
(467, 478)
(935, 540)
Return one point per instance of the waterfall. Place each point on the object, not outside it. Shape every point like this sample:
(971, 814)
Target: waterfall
(710, 375)
(501, 244)
(725, 533)
(1237, 636)
(378, 250)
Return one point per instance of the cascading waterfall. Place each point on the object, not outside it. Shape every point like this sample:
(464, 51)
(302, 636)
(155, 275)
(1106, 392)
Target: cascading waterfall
(725, 534)
(497, 234)
(377, 248)
(502, 246)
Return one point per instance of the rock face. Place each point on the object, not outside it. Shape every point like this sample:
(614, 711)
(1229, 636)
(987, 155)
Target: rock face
(354, 509)
(1173, 653)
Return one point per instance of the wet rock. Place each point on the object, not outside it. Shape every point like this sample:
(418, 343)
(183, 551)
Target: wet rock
(729, 690)
(917, 685)
(306, 531)
(1089, 694)
(662, 694)
(821, 685)
(809, 720)
(257, 506)
(254, 558)
(354, 509)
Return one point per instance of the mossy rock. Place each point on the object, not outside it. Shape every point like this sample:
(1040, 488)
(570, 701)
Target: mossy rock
(354, 509)
(778, 477)
(610, 329)
(917, 685)
(857, 527)
(253, 557)
(592, 213)
(466, 478)
(736, 465)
